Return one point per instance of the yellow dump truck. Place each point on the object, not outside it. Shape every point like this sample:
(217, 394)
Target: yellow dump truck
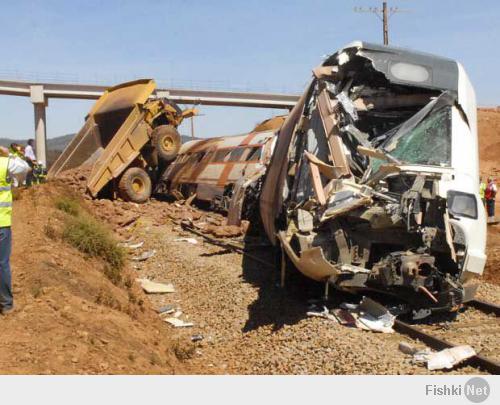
(128, 137)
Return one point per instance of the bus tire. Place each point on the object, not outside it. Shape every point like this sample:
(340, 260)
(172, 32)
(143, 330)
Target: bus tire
(135, 185)
(166, 141)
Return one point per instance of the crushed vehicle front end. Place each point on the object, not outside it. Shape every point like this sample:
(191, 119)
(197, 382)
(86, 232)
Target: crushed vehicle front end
(377, 168)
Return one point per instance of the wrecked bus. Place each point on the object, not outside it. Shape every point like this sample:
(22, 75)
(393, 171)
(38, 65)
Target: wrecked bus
(373, 184)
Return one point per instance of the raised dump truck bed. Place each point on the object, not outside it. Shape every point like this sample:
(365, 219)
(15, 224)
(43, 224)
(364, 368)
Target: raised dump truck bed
(126, 137)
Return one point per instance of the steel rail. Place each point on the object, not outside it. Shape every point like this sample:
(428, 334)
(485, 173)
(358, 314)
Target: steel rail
(487, 307)
(401, 327)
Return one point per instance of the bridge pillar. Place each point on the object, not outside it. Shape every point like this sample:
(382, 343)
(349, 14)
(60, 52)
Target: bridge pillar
(40, 102)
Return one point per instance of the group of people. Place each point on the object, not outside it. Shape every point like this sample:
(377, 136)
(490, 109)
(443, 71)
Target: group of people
(488, 193)
(38, 171)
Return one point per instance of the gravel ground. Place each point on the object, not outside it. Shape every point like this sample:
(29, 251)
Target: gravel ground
(250, 326)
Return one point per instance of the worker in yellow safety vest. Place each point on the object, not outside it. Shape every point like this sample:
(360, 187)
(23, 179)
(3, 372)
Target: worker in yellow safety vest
(11, 167)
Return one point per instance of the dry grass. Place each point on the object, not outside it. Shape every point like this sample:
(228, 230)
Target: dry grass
(93, 239)
(68, 205)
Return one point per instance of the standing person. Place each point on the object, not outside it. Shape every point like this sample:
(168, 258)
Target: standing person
(490, 195)
(29, 154)
(482, 190)
(10, 167)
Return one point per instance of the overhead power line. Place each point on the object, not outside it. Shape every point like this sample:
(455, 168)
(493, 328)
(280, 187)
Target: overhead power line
(384, 14)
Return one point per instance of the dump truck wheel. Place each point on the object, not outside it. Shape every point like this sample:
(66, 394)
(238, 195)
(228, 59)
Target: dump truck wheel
(135, 185)
(166, 141)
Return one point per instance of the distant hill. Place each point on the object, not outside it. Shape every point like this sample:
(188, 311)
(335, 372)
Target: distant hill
(56, 145)
(60, 142)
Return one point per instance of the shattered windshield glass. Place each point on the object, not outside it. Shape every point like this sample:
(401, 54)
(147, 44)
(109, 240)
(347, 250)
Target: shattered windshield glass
(427, 143)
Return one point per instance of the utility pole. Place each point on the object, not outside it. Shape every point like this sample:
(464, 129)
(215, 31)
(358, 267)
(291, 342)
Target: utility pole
(385, 23)
(383, 14)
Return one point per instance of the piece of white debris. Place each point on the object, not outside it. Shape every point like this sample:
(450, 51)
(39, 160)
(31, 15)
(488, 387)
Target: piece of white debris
(134, 246)
(144, 256)
(448, 358)
(188, 240)
(130, 245)
(178, 323)
(369, 315)
(152, 287)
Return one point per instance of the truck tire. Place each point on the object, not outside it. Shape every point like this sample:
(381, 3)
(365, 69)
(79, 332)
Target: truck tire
(167, 142)
(135, 185)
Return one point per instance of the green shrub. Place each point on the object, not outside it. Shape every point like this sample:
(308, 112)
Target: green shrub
(93, 239)
(68, 205)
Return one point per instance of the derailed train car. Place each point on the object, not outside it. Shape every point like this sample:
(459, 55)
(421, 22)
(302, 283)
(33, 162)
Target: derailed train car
(223, 170)
(373, 182)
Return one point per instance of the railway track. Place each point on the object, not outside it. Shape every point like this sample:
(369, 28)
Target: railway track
(478, 361)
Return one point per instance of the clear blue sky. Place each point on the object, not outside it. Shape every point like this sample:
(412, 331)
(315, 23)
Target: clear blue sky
(265, 45)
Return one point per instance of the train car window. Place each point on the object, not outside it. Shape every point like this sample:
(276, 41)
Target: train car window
(221, 155)
(254, 154)
(235, 154)
(208, 156)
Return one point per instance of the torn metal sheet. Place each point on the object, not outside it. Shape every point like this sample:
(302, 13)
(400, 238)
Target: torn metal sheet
(312, 261)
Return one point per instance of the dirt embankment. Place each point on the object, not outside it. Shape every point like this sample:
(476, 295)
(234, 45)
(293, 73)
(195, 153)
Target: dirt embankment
(69, 317)
(489, 162)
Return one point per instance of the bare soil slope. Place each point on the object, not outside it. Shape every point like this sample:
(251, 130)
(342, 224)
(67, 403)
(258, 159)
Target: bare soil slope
(69, 317)
(489, 162)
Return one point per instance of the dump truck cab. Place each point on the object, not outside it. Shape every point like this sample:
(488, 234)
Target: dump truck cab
(129, 136)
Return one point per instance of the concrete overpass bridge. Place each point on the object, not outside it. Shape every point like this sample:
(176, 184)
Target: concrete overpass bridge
(40, 93)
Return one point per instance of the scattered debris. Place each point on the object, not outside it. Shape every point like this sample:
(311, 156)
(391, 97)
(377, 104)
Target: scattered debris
(368, 315)
(188, 240)
(178, 323)
(166, 309)
(444, 359)
(375, 317)
(322, 314)
(448, 358)
(131, 246)
(196, 338)
(144, 256)
(152, 287)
